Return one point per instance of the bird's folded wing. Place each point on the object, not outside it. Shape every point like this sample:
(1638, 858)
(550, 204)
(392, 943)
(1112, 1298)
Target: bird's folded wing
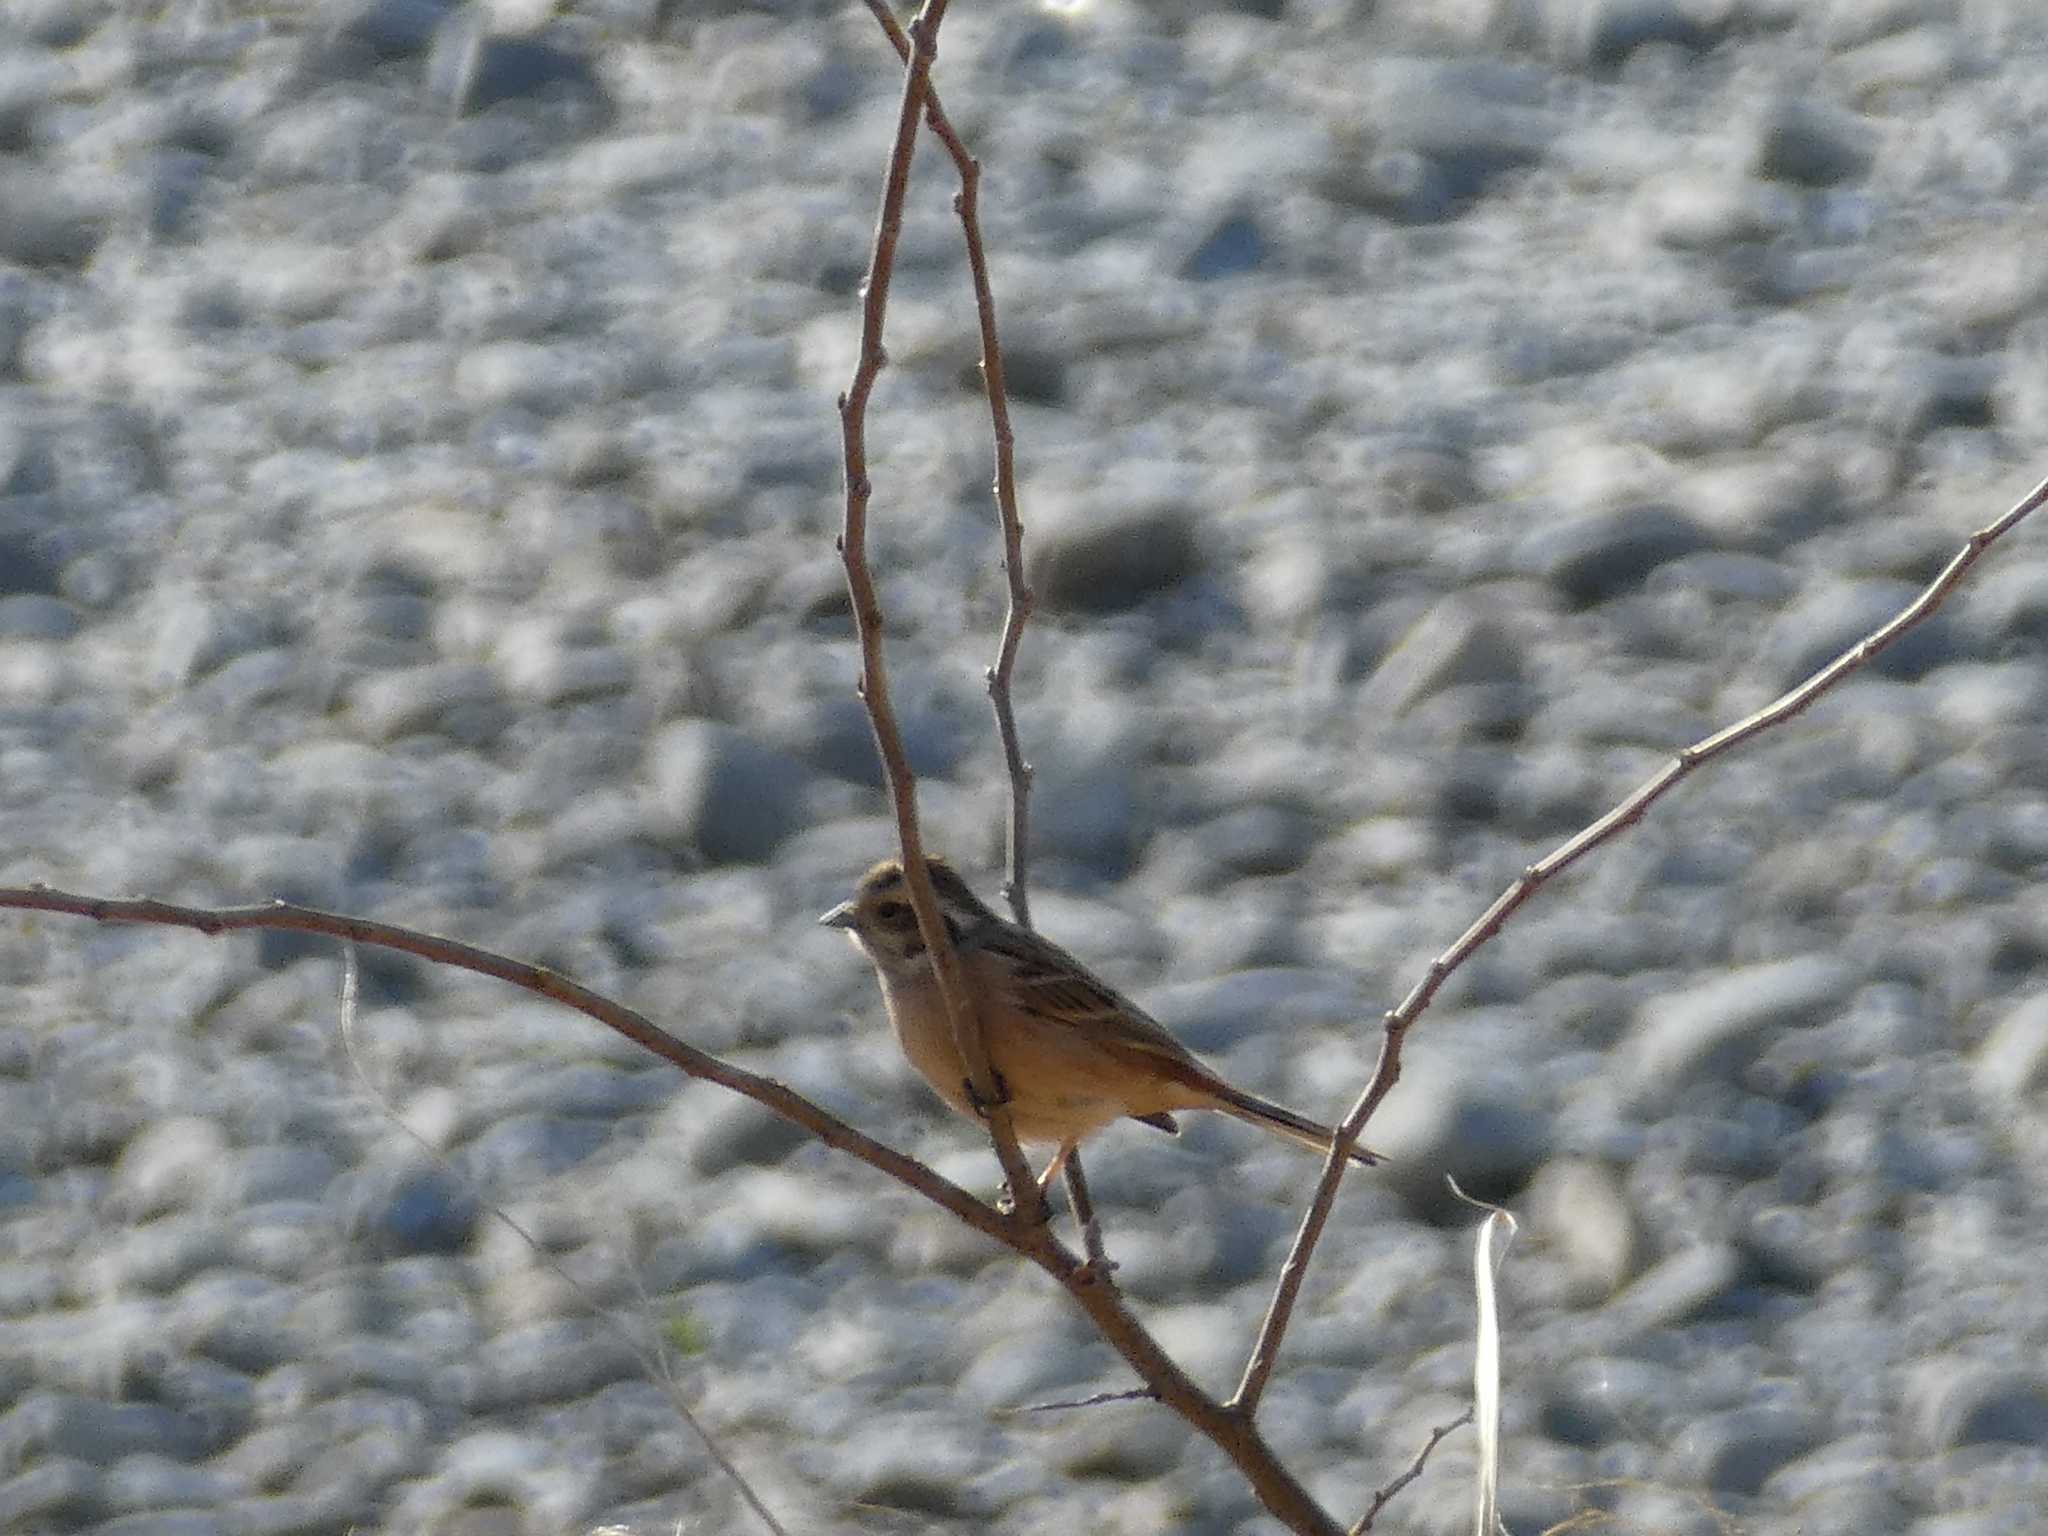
(1053, 985)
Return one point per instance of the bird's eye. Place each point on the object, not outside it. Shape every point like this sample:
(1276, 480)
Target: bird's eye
(889, 911)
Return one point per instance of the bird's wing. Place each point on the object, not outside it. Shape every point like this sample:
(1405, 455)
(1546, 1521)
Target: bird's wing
(1054, 986)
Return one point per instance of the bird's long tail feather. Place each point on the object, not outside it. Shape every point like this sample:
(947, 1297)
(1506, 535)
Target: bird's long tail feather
(1269, 1116)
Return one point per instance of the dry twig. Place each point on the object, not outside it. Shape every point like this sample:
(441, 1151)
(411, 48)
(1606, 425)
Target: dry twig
(867, 616)
(967, 204)
(1094, 1400)
(1395, 1025)
(1414, 1470)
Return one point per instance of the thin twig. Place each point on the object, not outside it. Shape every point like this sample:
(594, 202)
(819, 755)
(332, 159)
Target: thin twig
(867, 614)
(1095, 1400)
(1395, 1025)
(967, 204)
(1380, 1499)
(653, 1356)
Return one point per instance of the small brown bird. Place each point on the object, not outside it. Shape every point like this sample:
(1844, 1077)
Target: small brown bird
(1073, 1052)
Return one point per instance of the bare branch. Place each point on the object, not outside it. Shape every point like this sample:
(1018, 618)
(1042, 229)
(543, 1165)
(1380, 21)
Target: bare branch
(771, 1095)
(867, 614)
(1095, 1400)
(968, 205)
(1395, 1025)
(1381, 1498)
(1236, 1437)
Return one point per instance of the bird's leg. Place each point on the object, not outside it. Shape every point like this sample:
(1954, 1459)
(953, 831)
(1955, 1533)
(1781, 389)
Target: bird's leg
(1006, 1197)
(1052, 1169)
(1098, 1266)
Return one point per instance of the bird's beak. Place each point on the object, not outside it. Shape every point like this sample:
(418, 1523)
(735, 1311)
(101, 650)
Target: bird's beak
(840, 916)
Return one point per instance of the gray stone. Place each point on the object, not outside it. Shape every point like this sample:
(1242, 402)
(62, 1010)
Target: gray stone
(724, 795)
(57, 1493)
(410, 1208)
(1123, 1444)
(1012, 1372)
(141, 1483)
(1467, 1114)
(1963, 1404)
(192, 636)
(101, 1433)
(174, 1163)
(542, 666)
(1090, 819)
(158, 1255)
(1111, 560)
(48, 223)
(1735, 1451)
(473, 69)
(1676, 1291)
(1235, 244)
(1686, 210)
(525, 1150)
(2012, 1061)
(1262, 839)
(455, 699)
(1579, 1207)
(1591, 558)
(833, 733)
(25, 565)
(1451, 646)
(1711, 1032)
(1224, 1011)
(166, 1522)
(918, 1463)
(1596, 1399)
(34, 616)
(719, 1131)
(1445, 131)
(552, 1362)
(295, 1514)
(1788, 1248)
(392, 29)
(1760, 502)
(1603, 33)
(1813, 145)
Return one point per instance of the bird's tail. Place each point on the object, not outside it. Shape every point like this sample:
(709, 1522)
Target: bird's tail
(1269, 1116)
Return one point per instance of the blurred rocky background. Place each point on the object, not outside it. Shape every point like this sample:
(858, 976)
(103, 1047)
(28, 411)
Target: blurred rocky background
(418, 473)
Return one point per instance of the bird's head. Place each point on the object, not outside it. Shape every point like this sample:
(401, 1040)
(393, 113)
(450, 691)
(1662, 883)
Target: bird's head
(879, 920)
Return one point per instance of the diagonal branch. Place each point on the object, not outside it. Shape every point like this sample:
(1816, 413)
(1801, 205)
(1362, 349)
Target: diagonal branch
(1233, 1434)
(284, 917)
(1625, 814)
(968, 1032)
(1409, 1474)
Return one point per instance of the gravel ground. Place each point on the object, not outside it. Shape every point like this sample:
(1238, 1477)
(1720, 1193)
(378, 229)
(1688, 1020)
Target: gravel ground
(417, 480)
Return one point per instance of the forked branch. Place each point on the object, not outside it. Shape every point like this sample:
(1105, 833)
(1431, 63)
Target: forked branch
(967, 203)
(968, 1033)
